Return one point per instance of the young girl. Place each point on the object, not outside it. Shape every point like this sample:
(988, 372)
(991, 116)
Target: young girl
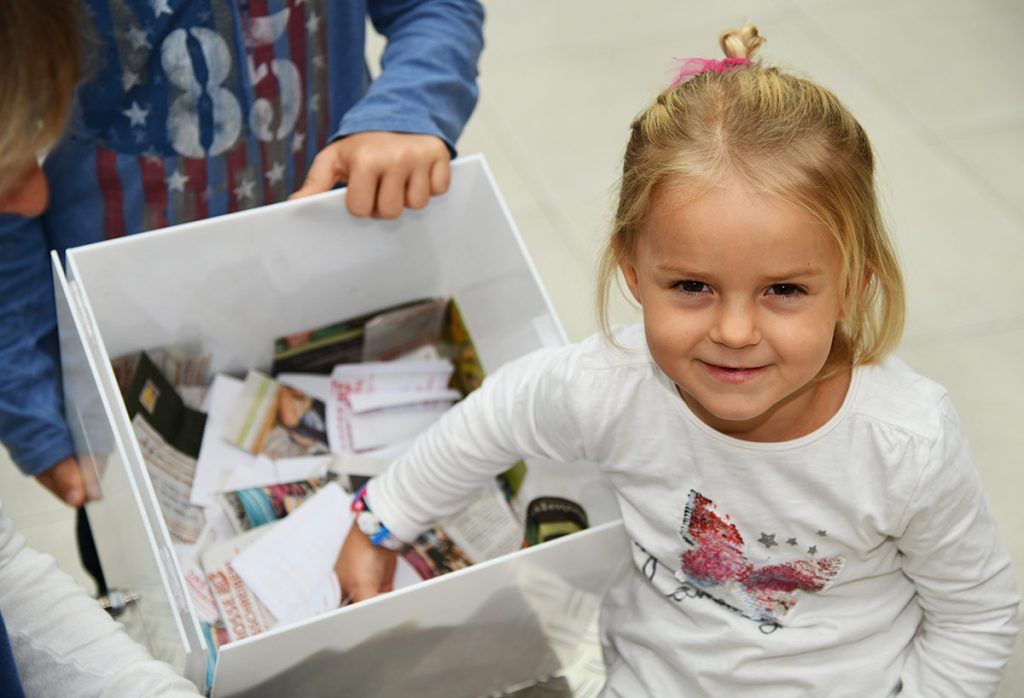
(804, 512)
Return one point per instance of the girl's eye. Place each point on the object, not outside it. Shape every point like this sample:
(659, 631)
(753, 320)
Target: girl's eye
(691, 287)
(784, 290)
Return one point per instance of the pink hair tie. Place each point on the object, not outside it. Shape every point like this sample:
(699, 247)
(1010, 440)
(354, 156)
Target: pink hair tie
(697, 66)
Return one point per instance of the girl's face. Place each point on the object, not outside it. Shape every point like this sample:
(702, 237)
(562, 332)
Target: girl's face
(740, 296)
(25, 194)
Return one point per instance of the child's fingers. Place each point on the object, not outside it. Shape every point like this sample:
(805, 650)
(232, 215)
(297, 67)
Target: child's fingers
(440, 176)
(391, 194)
(323, 174)
(417, 190)
(65, 481)
(361, 195)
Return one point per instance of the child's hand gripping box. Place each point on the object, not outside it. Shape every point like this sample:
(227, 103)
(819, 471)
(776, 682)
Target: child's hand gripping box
(233, 285)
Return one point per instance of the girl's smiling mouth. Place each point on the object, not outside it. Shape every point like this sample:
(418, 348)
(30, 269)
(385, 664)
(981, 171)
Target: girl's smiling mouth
(733, 374)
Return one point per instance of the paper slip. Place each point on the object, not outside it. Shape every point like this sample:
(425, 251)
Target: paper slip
(217, 458)
(222, 467)
(197, 584)
(258, 506)
(171, 473)
(241, 611)
(380, 428)
(486, 527)
(315, 385)
(218, 527)
(291, 569)
(367, 402)
(277, 420)
(375, 405)
(390, 376)
(403, 330)
(265, 472)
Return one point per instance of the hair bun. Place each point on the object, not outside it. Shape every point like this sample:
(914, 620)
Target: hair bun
(740, 43)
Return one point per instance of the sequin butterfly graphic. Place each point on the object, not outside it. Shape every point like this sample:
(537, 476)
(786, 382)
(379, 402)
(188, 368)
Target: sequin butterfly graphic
(717, 566)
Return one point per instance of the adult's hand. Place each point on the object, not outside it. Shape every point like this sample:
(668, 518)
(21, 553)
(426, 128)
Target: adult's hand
(384, 171)
(65, 481)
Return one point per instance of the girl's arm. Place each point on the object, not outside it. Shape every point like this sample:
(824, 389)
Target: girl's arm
(524, 410)
(962, 573)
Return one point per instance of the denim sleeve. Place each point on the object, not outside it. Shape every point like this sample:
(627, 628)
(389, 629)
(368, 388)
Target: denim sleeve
(32, 423)
(428, 71)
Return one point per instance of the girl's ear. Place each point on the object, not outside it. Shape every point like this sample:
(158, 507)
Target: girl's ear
(629, 273)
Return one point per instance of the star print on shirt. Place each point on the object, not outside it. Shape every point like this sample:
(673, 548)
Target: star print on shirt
(791, 541)
(767, 540)
(275, 174)
(129, 80)
(176, 182)
(161, 7)
(138, 38)
(245, 189)
(813, 550)
(313, 23)
(136, 114)
(822, 533)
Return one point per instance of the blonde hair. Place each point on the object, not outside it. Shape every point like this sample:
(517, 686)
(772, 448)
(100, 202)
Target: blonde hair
(41, 38)
(783, 136)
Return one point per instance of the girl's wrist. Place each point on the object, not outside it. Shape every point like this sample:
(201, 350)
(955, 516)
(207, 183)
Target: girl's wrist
(370, 525)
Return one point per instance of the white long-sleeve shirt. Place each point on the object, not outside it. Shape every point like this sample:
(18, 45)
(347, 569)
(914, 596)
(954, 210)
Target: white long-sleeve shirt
(853, 561)
(64, 644)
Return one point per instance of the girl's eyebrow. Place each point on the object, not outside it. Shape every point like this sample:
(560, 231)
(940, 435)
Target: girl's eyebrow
(803, 273)
(680, 271)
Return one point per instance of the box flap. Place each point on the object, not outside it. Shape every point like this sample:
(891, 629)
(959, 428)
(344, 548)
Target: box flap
(130, 535)
(468, 633)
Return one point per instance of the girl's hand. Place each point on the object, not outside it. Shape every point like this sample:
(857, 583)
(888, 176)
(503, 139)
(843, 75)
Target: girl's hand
(363, 569)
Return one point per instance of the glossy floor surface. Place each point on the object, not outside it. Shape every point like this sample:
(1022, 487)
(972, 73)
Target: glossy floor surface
(937, 85)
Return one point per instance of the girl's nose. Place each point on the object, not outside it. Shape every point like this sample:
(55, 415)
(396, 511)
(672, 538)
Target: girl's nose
(736, 326)
(30, 195)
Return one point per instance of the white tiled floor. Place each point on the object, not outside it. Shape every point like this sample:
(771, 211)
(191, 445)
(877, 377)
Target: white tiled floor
(936, 85)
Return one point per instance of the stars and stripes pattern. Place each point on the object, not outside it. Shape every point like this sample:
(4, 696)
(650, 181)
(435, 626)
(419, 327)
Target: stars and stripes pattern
(203, 107)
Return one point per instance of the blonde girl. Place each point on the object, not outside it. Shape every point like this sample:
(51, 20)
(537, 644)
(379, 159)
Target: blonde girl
(804, 514)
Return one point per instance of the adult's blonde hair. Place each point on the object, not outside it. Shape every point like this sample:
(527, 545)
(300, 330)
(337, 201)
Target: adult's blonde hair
(42, 63)
(783, 136)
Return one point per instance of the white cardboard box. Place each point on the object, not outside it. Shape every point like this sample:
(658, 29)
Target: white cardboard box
(234, 284)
